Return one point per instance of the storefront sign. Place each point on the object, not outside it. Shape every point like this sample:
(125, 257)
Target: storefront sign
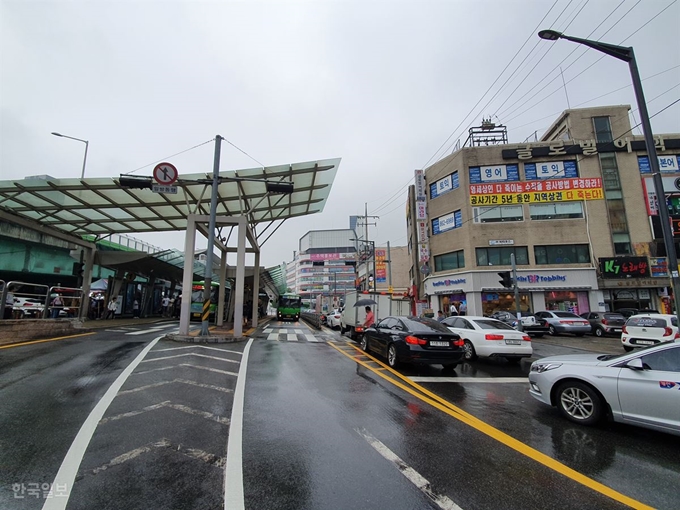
(496, 173)
(501, 242)
(423, 252)
(442, 186)
(537, 186)
(624, 267)
(328, 256)
(658, 267)
(534, 198)
(380, 265)
(457, 281)
(588, 148)
(550, 170)
(421, 210)
(447, 222)
(422, 231)
(536, 278)
(667, 164)
(420, 184)
(670, 185)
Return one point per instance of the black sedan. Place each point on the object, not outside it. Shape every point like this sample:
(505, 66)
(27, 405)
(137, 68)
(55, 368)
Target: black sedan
(413, 340)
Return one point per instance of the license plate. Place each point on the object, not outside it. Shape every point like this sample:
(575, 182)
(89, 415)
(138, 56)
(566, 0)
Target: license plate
(616, 330)
(439, 344)
(645, 342)
(512, 342)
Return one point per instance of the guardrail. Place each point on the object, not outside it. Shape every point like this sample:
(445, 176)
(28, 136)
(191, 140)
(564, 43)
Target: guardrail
(24, 300)
(313, 319)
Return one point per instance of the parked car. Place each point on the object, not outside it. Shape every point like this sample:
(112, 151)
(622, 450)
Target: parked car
(629, 312)
(638, 388)
(415, 340)
(333, 319)
(649, 329)
(28, 307)
(605, 323)
(531, 324)
(564, 322)
(483, 336)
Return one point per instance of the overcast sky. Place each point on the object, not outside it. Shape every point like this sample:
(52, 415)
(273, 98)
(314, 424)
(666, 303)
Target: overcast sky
(381, 84)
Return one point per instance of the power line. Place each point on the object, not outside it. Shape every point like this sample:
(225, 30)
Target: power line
(172, 156)
(244, 152)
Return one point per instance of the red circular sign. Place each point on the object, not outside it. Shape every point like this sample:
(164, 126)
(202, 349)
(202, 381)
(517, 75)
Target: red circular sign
(165, 173)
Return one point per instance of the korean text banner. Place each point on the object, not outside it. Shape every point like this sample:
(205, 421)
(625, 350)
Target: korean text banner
(532, 186)
(535, 198)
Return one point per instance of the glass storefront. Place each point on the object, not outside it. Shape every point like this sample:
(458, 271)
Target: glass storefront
(459, 300)
(567, 301)
(629, 298)
(505, 302)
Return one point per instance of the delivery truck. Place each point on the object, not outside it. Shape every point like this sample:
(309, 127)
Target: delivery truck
(353, 317)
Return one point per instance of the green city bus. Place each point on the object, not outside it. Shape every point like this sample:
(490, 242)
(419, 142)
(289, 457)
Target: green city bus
(197, 289)
(289, 307)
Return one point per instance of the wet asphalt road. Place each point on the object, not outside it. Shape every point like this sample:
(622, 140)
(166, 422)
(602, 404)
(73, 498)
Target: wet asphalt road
(320, 430)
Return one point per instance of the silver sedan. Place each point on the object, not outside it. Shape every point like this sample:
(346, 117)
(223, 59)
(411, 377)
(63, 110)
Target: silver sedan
(641, 388)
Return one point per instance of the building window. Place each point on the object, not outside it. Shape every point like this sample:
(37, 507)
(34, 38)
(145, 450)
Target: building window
(562, 254)
(501, 256)
(622, 244)
(603, 129)
(556, 211)
(610, 174)
(498, 214)
(454, 260)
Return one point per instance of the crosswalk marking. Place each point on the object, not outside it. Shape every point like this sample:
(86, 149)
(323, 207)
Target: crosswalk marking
(273, 336)
(291, 337)
(311, 338)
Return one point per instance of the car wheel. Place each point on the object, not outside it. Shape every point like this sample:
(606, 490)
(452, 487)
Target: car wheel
(469, 350)
(552, 331)
(392, 356)
(627, 348)
(579, 403)
(363, 343)
(599, 332)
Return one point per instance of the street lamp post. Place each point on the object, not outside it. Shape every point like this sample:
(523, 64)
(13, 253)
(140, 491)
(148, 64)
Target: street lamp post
(628, 55)
(82, 174)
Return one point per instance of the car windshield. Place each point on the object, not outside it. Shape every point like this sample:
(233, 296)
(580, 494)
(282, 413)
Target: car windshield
(417, 325)
(613, 316)
(491, 324)
(567, 315)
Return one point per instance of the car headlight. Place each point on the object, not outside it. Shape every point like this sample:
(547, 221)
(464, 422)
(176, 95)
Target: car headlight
(544, 367)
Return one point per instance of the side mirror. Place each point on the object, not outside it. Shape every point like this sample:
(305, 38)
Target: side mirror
(635, 364)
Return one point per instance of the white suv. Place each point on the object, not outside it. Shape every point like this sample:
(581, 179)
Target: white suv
(649, 329)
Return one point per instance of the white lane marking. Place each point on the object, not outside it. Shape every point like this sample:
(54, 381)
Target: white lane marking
(117, 330)
(145, 331)
(291, 337)
(273, 336)
(198, 367)
(493, 380)
(233, 472)
(311, 338)
(183, 381)
(191, 354)
(167, 403)
(298, 331)
(198, 347)
(71, 463)
(411, 474)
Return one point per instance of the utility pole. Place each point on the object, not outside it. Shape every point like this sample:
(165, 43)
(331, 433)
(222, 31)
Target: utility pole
(365, 223)
(389, 274)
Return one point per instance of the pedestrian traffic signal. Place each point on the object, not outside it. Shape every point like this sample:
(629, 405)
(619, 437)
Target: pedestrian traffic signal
(78, 269)
(506, 279)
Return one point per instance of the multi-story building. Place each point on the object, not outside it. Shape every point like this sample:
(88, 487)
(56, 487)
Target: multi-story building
(577, 210)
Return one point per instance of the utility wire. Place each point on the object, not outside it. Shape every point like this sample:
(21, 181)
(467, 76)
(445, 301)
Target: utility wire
(168, 157)
(244, 152)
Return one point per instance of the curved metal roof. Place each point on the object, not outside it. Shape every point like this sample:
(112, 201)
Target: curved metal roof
(100, 206)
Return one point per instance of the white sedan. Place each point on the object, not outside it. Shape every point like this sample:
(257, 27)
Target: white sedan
(333, 319)
(484, 336)
(640, 388)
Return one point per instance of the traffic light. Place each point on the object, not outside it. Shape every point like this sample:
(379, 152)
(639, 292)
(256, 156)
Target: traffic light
(506, 279)
(78, 269)
(131, 181)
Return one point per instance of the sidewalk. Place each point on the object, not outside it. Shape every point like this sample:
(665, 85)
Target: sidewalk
(601, 345)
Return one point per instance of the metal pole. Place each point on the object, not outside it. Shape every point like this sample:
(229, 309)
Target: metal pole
(666, 228)
(207, 284)
(82, 174)
(518, 311)
(389, 273)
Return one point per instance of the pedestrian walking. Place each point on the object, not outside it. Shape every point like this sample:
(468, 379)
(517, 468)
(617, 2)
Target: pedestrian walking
(111, 309)
(453, 310)
(165, 303)
(440, 316)
(57, 305)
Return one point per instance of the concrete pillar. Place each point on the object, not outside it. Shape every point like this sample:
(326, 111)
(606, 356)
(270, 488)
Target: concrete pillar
(240, 277)
(256, 287)
(188, 276)
(87, 278)
(219, 314)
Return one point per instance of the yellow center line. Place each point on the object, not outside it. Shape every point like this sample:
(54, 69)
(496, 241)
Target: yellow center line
(455, 412)
(46, 340)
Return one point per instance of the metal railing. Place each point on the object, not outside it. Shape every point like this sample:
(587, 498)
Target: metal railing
(24, 300)
(312, 318)
(68, 305)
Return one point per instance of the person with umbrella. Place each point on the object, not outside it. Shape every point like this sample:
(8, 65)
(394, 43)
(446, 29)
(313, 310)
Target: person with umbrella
(370, 318)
